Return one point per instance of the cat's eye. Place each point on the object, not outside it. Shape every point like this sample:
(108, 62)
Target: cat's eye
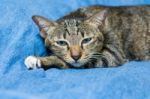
(86, 40)
(62, 43)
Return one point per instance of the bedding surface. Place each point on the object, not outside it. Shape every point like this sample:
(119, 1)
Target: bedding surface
(19, 38)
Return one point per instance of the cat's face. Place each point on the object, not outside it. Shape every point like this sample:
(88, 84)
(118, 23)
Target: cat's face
(75, 41)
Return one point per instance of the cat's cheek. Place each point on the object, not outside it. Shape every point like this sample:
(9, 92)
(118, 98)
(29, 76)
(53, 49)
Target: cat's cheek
(47, 43)
(86, 46)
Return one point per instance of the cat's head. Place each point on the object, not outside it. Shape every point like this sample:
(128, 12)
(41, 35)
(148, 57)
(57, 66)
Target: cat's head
(75, 41)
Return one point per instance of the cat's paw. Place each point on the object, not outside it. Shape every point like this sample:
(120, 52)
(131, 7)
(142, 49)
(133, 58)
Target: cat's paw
(32, 62)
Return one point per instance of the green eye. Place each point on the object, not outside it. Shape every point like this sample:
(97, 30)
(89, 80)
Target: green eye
(86, 40)
(62, 43)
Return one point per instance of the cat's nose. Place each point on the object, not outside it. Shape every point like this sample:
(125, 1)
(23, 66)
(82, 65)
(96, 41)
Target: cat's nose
(75, 52)
(76, 57)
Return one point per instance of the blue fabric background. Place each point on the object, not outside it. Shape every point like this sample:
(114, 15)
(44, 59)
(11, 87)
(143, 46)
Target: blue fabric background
(19, 38)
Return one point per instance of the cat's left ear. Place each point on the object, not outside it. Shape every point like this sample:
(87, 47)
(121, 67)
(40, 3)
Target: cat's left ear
(98, 18)
(44, 25)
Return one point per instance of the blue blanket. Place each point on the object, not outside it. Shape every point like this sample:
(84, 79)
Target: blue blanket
(19, 38)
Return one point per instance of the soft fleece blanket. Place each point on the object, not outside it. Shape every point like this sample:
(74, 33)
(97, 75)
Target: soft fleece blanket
(19, 38)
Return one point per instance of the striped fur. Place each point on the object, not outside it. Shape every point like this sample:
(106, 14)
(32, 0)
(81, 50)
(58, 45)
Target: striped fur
(97, 36)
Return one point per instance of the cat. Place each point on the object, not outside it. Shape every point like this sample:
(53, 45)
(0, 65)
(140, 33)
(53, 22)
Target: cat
(95, 36)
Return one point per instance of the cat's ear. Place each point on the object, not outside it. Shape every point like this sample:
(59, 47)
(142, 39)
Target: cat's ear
(44, 25)
(98, 18)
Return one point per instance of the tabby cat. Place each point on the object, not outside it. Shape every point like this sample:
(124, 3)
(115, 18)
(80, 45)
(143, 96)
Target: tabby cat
(95, 36)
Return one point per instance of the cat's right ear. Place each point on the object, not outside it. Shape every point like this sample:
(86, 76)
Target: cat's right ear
(44, 25)
(98, 19)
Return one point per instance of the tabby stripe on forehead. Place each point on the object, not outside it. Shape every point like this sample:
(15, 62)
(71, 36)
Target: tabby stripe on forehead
(77, 25)
(71, 26)
(66, 29)
(82, 33)
(64, 35)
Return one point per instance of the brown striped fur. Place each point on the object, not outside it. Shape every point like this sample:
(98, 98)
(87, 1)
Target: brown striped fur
(97, 36)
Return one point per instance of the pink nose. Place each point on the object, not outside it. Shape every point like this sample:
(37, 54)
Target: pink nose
(76, 57)
(75, 52)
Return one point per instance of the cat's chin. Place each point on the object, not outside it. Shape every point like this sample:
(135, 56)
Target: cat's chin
(76, 64)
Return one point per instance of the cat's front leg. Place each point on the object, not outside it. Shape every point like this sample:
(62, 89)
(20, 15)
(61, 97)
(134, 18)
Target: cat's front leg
(33, 62)
(111, 57)
(108, 60)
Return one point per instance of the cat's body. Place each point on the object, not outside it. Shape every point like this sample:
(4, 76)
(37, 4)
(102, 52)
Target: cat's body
(95, 37)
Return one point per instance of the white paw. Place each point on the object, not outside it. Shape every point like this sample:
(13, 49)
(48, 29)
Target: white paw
(32, 62)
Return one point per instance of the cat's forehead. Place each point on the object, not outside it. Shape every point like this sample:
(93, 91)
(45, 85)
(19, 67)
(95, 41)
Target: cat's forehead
(71, 22)
(73, 27)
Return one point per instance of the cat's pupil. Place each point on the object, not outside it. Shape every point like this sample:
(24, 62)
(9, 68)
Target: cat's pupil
(86, 40)
(62, 43)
